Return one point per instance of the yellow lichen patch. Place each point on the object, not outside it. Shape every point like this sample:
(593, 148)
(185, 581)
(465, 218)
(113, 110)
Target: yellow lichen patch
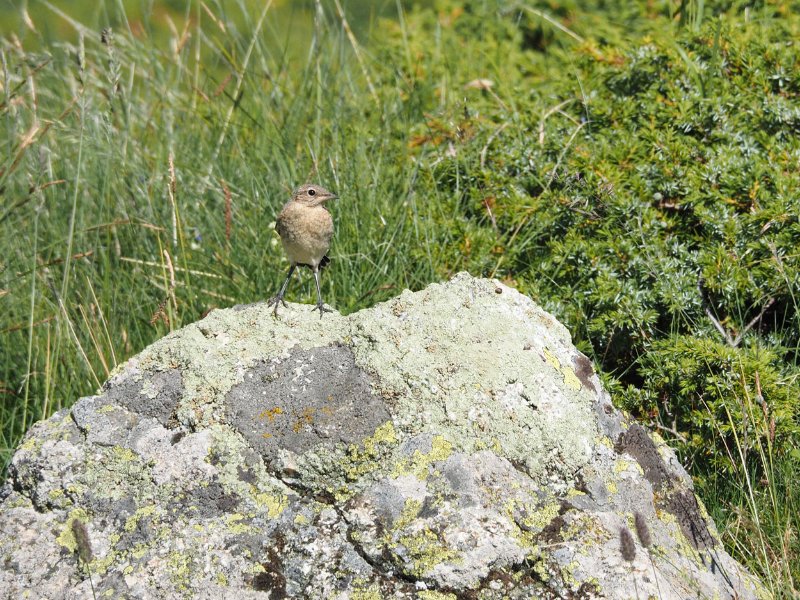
(132, 521)
(66, 538)
(427, 550)
(123, 454)
(385, 434)
(621, 465)
(301, 520)
(235, 526)
(303, 418)
(570, 379)
(410, 511)
(530, 520)
(362, 461)
(32, 443)
(434, 595)
(275, 504)
(179, 565)
(418, 464)
(101, 565)
(270, 413)
(373, 592)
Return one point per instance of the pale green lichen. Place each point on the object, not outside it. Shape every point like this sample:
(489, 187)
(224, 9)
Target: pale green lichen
(210, 353)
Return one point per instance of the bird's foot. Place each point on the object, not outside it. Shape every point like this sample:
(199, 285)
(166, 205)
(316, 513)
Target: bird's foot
(276, 301)
(322, 309)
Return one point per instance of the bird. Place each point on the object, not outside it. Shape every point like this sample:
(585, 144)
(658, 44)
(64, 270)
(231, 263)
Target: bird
(306, 230)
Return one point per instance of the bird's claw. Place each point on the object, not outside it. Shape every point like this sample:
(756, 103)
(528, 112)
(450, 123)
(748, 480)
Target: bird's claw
(322, 309)
(277, 300)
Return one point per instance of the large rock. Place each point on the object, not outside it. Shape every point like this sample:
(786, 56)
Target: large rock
(449, 443)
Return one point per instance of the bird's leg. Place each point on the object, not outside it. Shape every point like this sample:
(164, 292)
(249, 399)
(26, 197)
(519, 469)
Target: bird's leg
(279, 298)
(320, 306)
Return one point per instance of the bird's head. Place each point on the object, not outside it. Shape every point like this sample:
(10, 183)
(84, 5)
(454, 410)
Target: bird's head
(312, 194)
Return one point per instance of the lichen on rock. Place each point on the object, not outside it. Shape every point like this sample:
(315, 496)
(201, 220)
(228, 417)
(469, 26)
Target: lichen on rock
(447, 443)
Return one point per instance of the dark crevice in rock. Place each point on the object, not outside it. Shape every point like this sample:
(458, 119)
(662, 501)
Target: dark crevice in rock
(272, 579)
(376, 565)
(584, 370)
(325, 497)
(682, 504)
(640, 446)
(679, 502)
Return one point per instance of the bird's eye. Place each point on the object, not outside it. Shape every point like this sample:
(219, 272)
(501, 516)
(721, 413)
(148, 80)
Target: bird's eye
(312, 192)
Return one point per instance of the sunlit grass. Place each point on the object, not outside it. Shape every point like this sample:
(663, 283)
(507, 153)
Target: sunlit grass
(141, 176)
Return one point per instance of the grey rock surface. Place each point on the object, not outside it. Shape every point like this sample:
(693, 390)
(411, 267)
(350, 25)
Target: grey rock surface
(449, 443)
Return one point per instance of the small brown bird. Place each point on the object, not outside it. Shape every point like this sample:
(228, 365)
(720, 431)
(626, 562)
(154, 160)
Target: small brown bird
(306, 229)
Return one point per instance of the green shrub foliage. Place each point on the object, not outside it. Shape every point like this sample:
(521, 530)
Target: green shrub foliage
(645, 189)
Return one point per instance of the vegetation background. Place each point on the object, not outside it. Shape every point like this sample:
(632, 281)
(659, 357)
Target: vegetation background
(634, 166)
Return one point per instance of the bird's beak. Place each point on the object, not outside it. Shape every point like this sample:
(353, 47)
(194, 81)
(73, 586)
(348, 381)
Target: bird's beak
(331, 197)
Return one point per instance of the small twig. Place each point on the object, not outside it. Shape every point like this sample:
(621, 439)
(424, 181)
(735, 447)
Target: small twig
(754, 322)
(732, 342)
(555, 109)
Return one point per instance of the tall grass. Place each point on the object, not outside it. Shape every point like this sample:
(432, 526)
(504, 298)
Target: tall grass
(119, 158)
(141, 173)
